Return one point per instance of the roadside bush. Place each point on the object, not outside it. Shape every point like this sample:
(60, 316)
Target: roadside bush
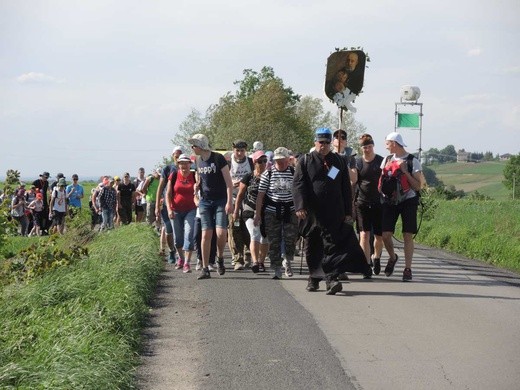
(447, 193)
(37, 259)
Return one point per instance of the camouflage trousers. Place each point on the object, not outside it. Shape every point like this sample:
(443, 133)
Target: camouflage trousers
(238, 241)
(281, 235)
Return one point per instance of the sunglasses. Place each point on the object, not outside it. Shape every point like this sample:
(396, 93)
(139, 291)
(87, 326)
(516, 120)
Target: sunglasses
(262, 161)
(343, 137)
(324, 142)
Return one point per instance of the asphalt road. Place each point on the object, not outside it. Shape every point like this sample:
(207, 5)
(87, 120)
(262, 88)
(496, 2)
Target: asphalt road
(456, 326)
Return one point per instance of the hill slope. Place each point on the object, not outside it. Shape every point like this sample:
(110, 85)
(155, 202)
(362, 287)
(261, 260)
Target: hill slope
(485, 177)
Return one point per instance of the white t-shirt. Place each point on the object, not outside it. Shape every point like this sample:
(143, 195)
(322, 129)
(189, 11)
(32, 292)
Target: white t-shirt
(60, 200)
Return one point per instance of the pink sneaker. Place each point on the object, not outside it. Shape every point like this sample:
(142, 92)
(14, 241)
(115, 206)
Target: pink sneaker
(179, 264)
(186, 269)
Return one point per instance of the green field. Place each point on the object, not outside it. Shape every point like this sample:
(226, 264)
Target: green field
(484, 177)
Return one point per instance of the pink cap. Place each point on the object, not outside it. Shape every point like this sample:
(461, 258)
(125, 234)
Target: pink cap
(256, 155)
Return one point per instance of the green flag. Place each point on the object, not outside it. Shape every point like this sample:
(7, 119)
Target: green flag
(408, 120)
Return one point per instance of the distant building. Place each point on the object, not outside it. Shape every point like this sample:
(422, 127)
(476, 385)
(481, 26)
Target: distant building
(506, 156)
(463, 156)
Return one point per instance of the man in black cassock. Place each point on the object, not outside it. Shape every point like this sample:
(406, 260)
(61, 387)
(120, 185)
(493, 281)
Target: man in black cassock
(323, 202)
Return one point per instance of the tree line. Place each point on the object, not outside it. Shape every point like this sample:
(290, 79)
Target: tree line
(449, 154)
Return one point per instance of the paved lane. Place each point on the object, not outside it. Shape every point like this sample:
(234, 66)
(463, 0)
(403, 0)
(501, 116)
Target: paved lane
(454, 327)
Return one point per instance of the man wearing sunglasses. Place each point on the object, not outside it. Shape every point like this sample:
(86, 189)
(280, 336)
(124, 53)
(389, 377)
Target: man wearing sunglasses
(238, 236)
(339, 142)
(323, 203)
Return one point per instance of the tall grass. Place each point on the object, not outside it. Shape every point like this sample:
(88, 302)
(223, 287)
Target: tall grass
(484, 230)
(79, 327)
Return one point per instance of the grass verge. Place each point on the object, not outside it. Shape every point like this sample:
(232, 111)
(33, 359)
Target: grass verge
(483, 230)
(78, 327)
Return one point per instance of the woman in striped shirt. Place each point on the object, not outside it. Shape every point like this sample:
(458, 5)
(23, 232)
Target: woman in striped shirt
(275, 208)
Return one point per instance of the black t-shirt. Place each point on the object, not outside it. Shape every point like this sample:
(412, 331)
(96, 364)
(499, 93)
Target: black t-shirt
(368, 180)
(125, 192)
(165, 174)
(252, 182)
(213, 185)
(43, 186)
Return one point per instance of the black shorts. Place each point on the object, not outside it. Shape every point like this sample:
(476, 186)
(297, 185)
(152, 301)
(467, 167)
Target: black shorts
(58, 217)
(408, 212)
(369, 217)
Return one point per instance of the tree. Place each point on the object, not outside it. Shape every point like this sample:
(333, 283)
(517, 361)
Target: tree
(448, 154)
(252, 81)
(432, 155)
(263, 109)
(7, 226)
(488, 156)
(310, 110)
(431, 177)
(512, 174)
(193, 124)
(476, 156)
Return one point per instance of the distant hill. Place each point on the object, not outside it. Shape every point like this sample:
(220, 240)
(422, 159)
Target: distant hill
(484, 177)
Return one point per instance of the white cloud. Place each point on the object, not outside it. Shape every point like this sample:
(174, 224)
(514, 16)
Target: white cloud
(474, 52)
(34, 77)
(512, 70)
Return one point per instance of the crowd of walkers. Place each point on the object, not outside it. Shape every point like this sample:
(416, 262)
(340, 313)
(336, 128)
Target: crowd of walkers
(263, 205)
(41, 209)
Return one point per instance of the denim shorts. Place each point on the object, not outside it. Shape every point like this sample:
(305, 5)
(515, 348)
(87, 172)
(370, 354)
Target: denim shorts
(213, 213)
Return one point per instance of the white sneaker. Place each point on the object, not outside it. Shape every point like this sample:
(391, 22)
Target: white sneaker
(211, 268)
(198, 267)
(288, 270)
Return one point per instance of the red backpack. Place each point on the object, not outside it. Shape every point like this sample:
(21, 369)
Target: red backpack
(393, 184)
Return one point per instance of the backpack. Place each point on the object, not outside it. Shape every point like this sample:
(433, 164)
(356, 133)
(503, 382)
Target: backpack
(174, 175)
(393, 184)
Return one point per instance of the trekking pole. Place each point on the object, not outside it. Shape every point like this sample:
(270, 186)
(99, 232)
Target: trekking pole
(301, 254)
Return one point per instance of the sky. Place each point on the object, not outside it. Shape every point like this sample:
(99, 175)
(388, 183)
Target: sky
(101, 87)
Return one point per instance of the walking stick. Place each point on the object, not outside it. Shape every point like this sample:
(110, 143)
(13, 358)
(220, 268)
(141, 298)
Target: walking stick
(301, 254)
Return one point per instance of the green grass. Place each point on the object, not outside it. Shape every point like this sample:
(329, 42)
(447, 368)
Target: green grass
(15, 244)
(485, 177)
(79, 327)
(484, 230)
